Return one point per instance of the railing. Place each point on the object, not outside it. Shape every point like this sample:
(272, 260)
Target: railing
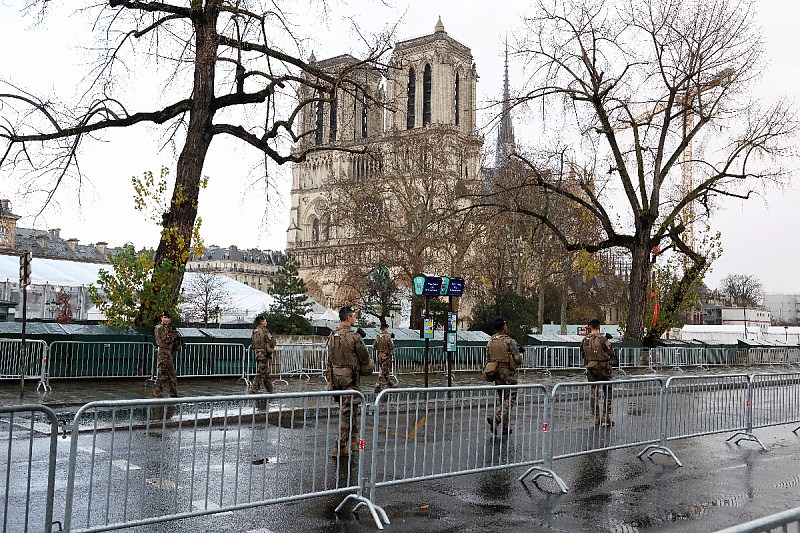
(35, 360)
(209, 359)
(151, 461)
(25, 508)
(785, 522)
(78, 359)
(133, 463)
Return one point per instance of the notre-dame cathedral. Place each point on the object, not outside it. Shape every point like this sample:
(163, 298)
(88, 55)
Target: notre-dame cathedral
(429, 85)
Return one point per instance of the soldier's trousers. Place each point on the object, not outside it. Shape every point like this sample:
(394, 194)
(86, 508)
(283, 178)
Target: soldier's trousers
(348, 423)
(262, 374)
(166, 372)
(507, 397)
(601, 373)
(384, 382)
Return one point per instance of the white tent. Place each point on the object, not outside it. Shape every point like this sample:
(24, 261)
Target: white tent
(719, 334)
(784, 334)
(247, 302)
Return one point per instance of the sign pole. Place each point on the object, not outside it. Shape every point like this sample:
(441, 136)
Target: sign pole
(427, 340)
(24, 280)
(449, 353)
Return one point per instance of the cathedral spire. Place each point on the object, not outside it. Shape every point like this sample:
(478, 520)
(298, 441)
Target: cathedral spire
(505, 134)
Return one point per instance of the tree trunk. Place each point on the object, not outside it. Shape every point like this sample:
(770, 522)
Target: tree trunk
(638, 288)
(178, 221)
(564, 296)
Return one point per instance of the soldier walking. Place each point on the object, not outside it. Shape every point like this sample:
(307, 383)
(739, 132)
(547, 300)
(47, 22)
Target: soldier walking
(503, 350)
(385, 347)
(597, 352)
(263, 344)
(167, 338)
(347, 355)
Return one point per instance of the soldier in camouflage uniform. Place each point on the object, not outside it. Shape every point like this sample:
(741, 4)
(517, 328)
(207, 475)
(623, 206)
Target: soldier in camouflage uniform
(346, 355)
(166, 338)
(385, 348)
(263, 344)
(597, 351)
(502, 350)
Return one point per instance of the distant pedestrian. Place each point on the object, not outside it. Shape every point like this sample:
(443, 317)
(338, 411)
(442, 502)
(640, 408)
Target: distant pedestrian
(384, 347)
(503, 350)
(263, 343)
(597, 352)
(348, 358)
(168, 340)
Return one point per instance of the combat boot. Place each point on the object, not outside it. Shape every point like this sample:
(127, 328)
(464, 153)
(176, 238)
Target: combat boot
(340, 452)
(490, 421)
(607, 420)
(597, 419)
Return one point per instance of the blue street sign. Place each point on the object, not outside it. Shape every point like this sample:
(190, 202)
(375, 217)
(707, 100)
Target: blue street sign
(432, 286)
(456, 287)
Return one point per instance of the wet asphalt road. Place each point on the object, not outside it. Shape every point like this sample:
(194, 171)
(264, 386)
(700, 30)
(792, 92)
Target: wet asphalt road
(721, 484)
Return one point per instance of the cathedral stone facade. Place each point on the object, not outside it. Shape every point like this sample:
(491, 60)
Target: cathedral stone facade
(429, 86)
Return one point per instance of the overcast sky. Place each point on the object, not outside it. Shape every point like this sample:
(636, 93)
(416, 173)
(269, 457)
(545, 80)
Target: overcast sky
(759, 236)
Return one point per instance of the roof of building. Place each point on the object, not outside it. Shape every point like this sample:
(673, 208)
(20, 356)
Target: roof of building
(267, 257)
(54, 246)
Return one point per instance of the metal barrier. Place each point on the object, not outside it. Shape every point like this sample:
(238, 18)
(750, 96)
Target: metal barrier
(314, 356)
(785, 522)
(412, 360)
(534, 358)
(635, 411)
(78, 359)
(203, 359)
(628, 357)
(35, 360)
(31, 440)
(775, 399)
(421, 434)
(143, 462)
(676, 357)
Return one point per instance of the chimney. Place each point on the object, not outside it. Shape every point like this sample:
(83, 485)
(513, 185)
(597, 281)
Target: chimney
(41, 240)
(73, 244)
(55, 232)
(233, 247)
(102, 247)
(5, 206)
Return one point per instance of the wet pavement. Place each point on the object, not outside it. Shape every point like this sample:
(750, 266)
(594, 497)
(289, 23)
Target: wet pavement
(721, 483)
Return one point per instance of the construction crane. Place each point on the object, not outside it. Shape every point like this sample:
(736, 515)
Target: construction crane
(685, 100)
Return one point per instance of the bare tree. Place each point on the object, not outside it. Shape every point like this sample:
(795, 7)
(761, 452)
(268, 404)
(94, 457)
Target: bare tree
(233, 69)
(637, 82)
(743, 290)
(205, 296)
(414, 217)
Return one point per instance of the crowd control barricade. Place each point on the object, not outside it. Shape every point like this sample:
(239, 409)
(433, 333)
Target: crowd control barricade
(36, 359)
(535, 358)
(79, 359)
(717, 357)
(785, 522)
(775, 399)
(636, 412)
(29, 438)
(201, 359)
(628, 357)
(139, 462)
(469, 358)
(314, 357)
(411, 360)
(705, 405)
(422, 434)
(564, 358)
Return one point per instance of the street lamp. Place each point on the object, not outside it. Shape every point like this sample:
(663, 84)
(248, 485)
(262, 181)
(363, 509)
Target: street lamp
(786, 329)
(52, 306)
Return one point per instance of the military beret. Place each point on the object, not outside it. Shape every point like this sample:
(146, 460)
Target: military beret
(165, 314)
(498, 324)
(259, 318)
(594, 323)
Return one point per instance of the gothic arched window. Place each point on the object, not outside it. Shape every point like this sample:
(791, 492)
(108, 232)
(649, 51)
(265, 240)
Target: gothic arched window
(457, 97)
(320, 120)
(332, 135)
(412, 96)
(426, 96)
(364, 115)
(315, 230)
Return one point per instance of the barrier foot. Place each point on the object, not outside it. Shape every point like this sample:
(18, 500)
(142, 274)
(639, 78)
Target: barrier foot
(743, 435)
(546, 472)
(795, 430)
(652, 449)
(43, 385)
(364, 502)
(279, 380)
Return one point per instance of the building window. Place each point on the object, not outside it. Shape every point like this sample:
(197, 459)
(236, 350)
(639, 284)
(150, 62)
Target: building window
(332, 136)
(3, 236)
(412, 95)
(457, 97)
(320, 119)
(426, 96)
(364, 115)
(315, 230)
